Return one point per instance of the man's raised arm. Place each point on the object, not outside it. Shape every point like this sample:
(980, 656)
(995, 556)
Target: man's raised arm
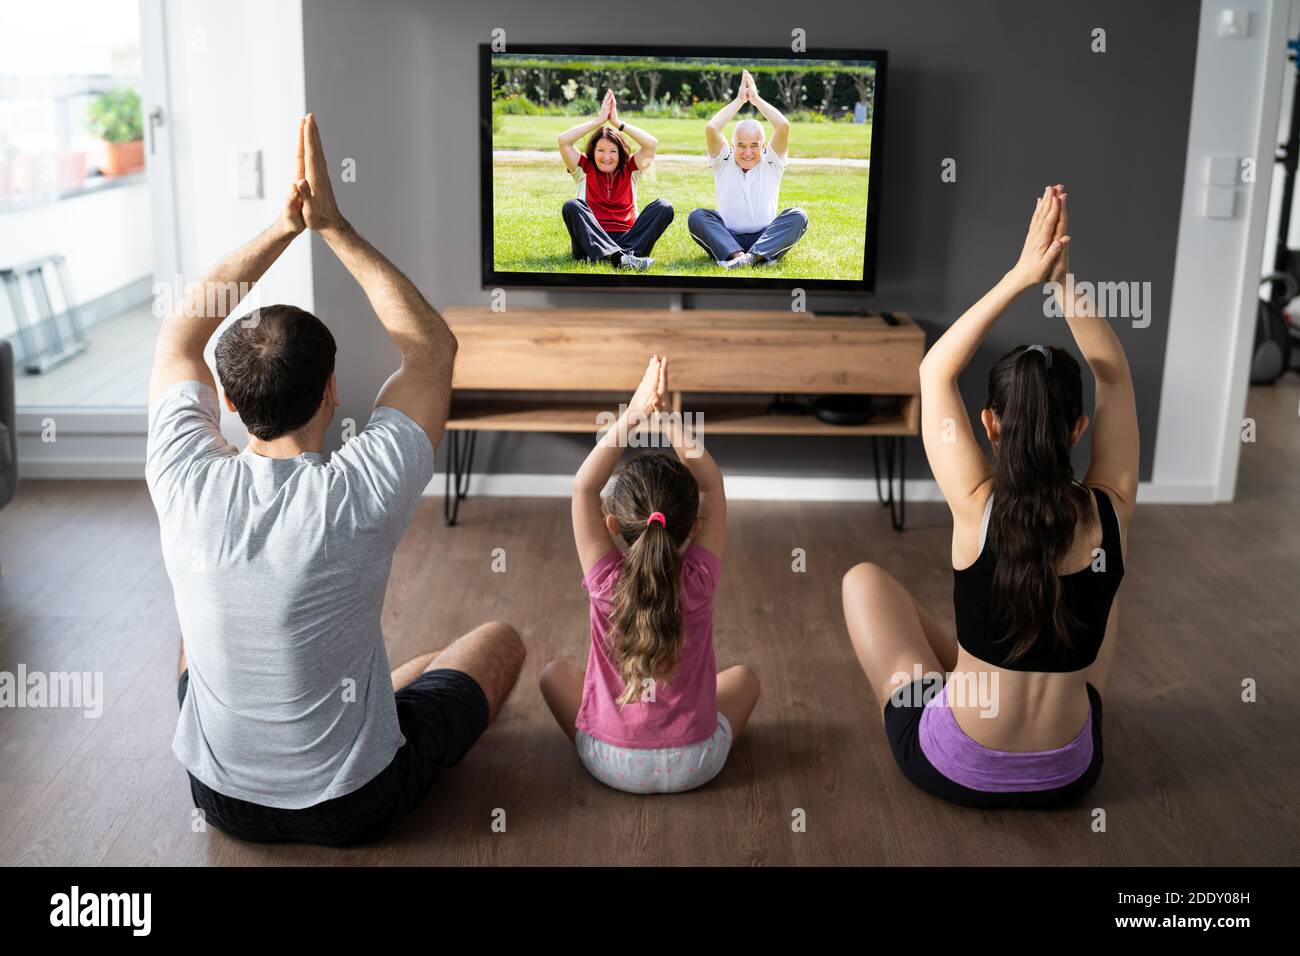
(178, 354)
(421, 386)
(780, 125)
(713, 136)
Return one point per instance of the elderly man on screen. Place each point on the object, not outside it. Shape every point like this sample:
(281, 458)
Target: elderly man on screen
(746, 229)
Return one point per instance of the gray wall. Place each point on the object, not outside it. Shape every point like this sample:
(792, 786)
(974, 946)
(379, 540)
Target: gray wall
(1011, 90)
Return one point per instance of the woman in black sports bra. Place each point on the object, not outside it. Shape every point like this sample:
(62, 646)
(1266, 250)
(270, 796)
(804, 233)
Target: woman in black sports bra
(1007, 711)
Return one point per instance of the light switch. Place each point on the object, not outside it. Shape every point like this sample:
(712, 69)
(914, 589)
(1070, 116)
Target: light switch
(1223, 171)
(249, 164)
(1220, 202)
(1234, 22)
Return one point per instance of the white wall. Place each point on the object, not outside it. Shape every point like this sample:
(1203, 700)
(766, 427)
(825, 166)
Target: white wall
(235, 73)
(235, 79)
(1234, 113)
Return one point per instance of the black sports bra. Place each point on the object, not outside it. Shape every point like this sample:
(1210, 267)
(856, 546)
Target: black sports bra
(1088, 594)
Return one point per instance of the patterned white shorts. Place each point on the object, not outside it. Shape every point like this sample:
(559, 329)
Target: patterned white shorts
(666, 770)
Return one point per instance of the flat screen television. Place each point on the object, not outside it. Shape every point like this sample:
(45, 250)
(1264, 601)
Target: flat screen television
(566, 204)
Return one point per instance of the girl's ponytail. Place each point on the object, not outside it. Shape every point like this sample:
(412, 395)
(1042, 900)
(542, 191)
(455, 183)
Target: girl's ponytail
(655, 501)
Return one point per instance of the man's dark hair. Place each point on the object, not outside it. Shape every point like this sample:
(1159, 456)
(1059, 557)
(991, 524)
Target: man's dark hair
(274, 365)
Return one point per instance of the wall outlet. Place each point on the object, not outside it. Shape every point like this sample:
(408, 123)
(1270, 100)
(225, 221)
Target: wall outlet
(248, 164)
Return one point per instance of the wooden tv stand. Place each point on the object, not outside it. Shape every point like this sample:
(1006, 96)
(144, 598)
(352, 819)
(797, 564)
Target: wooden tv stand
(555, 370)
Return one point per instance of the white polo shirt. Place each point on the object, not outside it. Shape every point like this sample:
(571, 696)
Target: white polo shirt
(747, 201)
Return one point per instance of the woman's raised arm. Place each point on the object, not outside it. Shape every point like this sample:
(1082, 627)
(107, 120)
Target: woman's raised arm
(956, 459)
(571, 135)
(1116, 443)
(649, 145)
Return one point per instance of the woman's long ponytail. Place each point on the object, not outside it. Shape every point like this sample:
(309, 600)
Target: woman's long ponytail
(1037, 395)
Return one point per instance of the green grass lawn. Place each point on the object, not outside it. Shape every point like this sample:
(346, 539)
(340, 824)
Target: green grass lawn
(529, 235)
(833, 140)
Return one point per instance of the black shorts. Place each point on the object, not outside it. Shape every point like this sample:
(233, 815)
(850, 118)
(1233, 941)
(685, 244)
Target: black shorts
(903, 728)
(441, 713)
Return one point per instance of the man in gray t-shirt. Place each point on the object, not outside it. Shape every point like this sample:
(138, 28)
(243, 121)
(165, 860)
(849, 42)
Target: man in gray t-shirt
(292, 726)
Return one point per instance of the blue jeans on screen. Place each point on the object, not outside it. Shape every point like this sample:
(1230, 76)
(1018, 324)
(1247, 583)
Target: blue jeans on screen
(778, 238)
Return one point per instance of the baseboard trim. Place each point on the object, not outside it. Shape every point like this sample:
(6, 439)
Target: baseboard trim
(85, 421)
(739, 487)
(765, 488)
(1174, 493)
(82, 469)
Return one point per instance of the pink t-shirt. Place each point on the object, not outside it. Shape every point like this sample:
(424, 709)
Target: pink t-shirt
(685, 708)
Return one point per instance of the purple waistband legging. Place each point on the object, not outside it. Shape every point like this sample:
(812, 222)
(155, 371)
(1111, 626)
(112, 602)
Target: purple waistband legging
(963, 761)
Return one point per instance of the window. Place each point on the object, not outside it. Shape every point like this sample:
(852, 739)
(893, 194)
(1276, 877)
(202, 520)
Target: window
(75, 233)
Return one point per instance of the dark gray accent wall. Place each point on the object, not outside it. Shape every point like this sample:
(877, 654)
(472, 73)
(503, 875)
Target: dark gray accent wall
(1011, 90)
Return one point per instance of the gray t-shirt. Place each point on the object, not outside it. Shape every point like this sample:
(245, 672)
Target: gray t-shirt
(279, 568)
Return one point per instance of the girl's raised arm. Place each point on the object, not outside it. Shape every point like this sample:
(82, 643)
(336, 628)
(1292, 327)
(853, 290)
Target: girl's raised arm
(690, 450)
(590, 533)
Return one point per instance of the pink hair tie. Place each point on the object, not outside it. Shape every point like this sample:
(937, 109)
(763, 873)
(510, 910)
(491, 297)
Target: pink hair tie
(656, 516)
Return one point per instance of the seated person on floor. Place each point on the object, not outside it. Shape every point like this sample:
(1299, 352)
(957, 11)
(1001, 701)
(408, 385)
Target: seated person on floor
(746, 228)
(292, 726)
(602, 221)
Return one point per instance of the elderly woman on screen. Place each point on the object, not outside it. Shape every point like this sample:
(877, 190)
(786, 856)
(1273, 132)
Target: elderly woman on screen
(602, 220)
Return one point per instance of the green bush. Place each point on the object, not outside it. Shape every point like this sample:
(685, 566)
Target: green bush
(643, 83)
(668, 108)
(661, 109)
(116, 116)
(496, 105)
(519, 105)
(704, 109)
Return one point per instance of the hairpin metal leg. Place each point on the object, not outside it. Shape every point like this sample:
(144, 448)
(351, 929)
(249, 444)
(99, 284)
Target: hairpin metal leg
(460, 460)
(895, 455)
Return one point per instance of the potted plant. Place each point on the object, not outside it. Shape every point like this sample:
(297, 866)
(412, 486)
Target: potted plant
(116, 118)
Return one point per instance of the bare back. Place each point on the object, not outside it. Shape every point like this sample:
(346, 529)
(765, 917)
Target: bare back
(1031, 710)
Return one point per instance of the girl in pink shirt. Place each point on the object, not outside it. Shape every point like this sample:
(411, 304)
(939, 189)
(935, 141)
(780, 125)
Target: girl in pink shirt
(650, 714)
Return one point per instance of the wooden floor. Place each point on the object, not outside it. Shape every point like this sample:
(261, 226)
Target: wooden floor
(1193, 775)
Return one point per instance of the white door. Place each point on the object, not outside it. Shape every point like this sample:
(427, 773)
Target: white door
(158, 140)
